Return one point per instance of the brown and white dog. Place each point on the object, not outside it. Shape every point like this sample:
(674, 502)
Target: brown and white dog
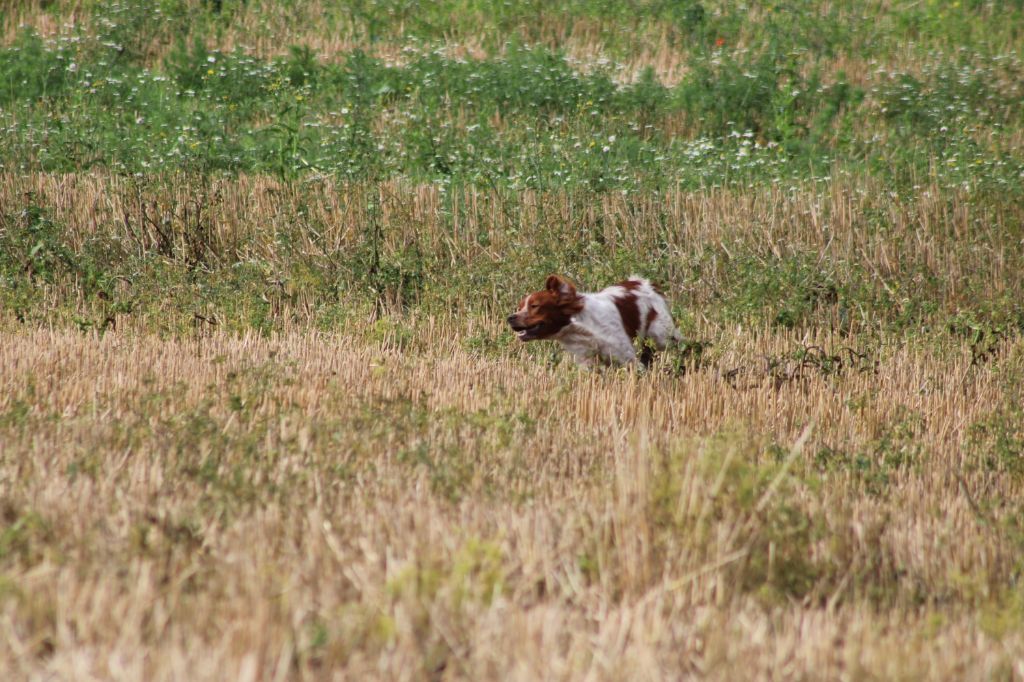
(598, 327)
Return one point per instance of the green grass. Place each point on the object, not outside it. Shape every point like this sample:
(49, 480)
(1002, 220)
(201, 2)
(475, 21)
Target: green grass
(136, 88)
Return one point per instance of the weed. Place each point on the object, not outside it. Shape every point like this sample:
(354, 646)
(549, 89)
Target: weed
(996, 442)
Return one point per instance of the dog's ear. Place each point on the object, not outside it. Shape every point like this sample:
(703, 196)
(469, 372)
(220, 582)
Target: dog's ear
(562, 287)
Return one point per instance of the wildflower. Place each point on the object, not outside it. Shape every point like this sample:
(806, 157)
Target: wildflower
(719, 42)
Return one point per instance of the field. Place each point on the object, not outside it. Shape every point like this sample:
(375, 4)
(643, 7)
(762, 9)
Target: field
(261, 417)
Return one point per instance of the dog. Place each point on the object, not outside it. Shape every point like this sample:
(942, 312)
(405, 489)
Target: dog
(598, 328)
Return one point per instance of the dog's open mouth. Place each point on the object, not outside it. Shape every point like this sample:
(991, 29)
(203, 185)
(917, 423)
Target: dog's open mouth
(527, 333)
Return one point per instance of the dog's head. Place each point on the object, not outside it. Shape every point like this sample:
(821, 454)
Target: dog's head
(543, 314)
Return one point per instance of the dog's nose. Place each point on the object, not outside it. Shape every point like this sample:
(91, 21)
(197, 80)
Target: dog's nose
(511, 319)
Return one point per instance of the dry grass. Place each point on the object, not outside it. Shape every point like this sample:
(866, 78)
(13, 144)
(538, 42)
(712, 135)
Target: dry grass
(412, 494)
(852, 222)
(316, 506)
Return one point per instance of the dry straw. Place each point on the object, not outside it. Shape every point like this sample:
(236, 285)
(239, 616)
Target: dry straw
(312, 506)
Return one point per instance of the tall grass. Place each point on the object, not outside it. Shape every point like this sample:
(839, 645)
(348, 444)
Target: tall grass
(844, 256)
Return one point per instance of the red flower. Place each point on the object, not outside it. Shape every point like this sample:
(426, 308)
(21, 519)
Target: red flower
(719, 42)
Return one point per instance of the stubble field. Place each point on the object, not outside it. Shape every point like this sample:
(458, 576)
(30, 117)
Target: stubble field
(260, 418)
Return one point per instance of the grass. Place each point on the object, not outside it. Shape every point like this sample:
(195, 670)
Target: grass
(312, 502)
(260, 417)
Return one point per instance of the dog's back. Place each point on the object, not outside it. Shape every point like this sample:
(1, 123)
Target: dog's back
(643, 311)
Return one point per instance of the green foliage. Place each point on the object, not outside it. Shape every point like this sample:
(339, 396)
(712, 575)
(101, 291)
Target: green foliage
(727, 93)
(523, 116)
(996, 442)
(789, 290)
(30, 69)
(32, 244)
(749, 498)
(24, 536)
(894, 451)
